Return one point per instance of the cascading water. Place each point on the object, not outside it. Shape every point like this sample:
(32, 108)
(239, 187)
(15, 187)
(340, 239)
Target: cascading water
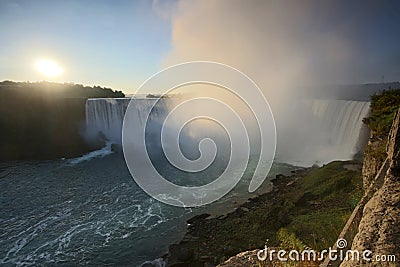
(322, 131)
(343, 119)
(104, 116)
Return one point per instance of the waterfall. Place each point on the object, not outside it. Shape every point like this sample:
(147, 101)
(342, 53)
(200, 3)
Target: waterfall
(343, 120)
(104, 116)
(322, 131)
(318, 131)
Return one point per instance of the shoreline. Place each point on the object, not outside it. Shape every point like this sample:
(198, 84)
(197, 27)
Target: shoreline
(309, 207)
(182, 254)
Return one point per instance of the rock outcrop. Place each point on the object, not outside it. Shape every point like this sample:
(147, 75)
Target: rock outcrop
(371, 163)
(379, 229)
(393, 148)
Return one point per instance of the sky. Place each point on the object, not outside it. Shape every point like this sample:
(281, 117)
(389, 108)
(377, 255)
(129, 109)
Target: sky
(109, 43)
(279, 44)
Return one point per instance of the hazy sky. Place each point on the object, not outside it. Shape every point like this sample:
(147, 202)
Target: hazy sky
(121, 43)
(109, 43)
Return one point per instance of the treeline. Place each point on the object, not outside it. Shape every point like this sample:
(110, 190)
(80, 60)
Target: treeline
(383, 107)
(45, 120)
(49, 89)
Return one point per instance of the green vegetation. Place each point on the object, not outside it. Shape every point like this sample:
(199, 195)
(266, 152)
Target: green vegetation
(306, 210)
(334, 192)
(50, 89)
(289, 240)
(383, 108)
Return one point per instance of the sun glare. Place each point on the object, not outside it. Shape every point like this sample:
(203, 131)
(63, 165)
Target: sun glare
(48, 68)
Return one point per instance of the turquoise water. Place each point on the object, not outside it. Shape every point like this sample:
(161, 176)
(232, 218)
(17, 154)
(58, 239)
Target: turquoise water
(90, 212)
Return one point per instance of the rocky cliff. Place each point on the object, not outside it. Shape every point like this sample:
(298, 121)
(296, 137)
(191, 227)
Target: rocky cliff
(379, 229)
(371, 162)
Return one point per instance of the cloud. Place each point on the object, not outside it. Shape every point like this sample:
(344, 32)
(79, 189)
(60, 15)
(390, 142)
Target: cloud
(280, 44)
(287, 45)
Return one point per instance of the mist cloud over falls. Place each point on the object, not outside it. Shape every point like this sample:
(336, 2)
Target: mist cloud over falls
(287, 46)
(284, 44)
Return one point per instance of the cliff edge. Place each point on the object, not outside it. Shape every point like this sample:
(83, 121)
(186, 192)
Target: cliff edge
(379, 229)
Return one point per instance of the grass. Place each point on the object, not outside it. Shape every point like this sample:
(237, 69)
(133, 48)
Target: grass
(323, 202)
(309, 212)
(319, 229)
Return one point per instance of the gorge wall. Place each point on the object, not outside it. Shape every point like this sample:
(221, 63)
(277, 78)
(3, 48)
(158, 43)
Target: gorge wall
(379, 229)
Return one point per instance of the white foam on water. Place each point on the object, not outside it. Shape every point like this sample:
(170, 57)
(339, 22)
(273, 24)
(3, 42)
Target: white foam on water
(156, 263)
(106, 150)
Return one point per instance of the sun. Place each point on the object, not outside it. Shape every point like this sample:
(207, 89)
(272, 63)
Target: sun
(49, 68)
